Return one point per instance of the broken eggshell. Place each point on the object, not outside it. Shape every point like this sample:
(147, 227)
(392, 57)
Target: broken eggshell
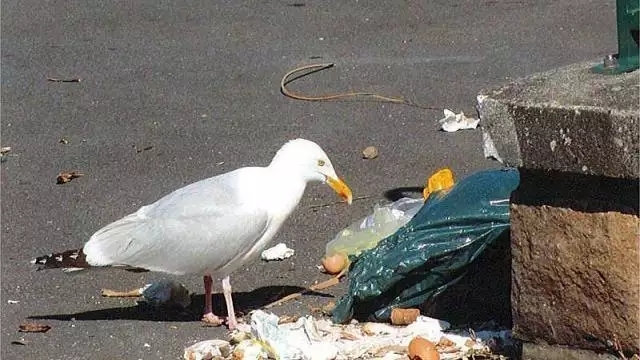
(422, 349)
(335, 263)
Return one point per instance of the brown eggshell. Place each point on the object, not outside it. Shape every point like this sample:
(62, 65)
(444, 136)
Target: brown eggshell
(422, 349)
(335, 263)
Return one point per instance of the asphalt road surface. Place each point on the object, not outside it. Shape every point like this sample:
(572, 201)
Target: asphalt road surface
(173, 92)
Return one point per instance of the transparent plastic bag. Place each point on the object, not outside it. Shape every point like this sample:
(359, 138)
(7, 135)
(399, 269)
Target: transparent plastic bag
(365, 233)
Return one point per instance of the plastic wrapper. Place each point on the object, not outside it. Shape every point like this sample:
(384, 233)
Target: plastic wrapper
(432, 251)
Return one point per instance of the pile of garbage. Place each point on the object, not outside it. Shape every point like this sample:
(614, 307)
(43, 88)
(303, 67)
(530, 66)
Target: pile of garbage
(308, 338)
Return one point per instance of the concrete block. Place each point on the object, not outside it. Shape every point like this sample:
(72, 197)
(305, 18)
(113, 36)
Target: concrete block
(567, 119)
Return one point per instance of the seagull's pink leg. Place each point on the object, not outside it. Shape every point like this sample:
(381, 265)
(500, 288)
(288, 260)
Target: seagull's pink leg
(232, 323)
(208, 316)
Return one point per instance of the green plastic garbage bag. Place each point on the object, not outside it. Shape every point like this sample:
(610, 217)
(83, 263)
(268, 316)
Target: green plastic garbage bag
(432, 251)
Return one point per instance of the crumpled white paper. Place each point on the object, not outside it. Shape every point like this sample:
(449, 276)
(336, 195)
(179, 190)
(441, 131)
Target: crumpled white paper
(278, 252)
(454, 122)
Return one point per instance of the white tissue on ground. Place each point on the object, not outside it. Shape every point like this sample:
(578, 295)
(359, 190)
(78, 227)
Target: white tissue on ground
(278, 252)
(454, 122)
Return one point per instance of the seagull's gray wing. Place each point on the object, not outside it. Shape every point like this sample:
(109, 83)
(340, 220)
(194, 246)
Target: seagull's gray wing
(200, 228)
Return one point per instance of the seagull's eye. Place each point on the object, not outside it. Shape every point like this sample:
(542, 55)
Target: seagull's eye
(320, 163)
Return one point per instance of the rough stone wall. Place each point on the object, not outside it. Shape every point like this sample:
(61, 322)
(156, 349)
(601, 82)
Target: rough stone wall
(575, 276)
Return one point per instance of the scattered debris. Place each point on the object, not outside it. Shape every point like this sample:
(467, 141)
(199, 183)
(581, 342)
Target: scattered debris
(147, 345)
(454, 122)
(143, 149)
(319, 286)
(208, 349)
(19, 342)
(114, 293)
(370, 152)
(237, 336)
(63, 141)
(328, 307)
(65, 177)
(445, 343)
(33, 327)
(162, 293)
(64, 80)
(278, 252)
(310, 338)
(404, 316)
(12, 301)
(3, 152)
(250, 350)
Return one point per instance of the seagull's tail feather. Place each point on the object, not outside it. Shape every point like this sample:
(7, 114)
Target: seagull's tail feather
(70, 260)
(73, 260)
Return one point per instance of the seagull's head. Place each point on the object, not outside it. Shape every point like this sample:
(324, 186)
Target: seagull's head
(307, 159)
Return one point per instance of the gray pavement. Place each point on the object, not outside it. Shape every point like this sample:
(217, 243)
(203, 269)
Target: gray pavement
(199, 82)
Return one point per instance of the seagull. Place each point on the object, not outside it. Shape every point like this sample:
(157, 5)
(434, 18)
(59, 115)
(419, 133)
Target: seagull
(210, 227)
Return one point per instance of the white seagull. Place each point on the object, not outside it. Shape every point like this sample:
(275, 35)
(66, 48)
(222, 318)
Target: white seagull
(211, 227)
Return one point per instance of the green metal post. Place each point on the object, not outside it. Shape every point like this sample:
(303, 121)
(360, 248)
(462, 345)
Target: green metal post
(628, 23)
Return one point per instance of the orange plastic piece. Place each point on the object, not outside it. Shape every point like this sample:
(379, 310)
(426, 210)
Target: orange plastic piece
(442, 179)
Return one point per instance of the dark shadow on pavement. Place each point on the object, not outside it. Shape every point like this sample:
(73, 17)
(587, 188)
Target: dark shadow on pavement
(244, 302)
(400, 192)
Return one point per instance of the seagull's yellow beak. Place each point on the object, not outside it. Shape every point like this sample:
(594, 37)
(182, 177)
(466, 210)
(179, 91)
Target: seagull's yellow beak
(341, 188)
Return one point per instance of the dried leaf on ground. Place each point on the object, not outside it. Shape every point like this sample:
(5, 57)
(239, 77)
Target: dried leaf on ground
(64, 80)
(33, 327)
(65, 177)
